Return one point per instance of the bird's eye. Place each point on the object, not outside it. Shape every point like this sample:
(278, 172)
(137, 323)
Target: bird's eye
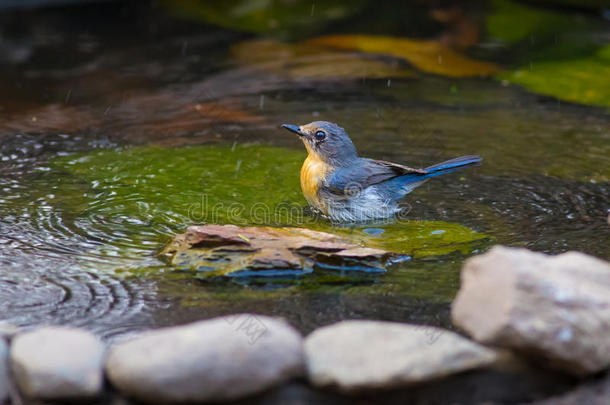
(320, 135)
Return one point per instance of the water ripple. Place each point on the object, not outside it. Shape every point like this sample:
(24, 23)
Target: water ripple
(36, 295)
(58, 265)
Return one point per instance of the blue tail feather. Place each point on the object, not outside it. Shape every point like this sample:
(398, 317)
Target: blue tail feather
(447, 166)
(453, 164)
(396, 188)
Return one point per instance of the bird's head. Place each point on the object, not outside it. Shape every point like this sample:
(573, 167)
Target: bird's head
(326, 141)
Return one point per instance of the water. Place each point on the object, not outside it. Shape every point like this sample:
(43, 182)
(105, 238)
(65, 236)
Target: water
(112, 139)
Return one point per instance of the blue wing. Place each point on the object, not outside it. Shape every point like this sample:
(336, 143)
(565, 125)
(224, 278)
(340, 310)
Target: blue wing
(392, 179)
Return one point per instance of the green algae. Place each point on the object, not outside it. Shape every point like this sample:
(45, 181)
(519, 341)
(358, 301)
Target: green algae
(146, 194)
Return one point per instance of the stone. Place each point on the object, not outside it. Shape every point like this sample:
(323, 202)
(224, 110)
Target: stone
(233, 250)
(57, 363)
(554, 308)
(214, 360)
(596, 392)
(4, 392)
(353, 356)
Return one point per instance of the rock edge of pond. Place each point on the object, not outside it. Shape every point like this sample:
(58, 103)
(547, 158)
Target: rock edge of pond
(520, 352)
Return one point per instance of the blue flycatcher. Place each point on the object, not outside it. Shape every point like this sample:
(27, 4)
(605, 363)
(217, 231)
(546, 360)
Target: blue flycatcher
(348, 188)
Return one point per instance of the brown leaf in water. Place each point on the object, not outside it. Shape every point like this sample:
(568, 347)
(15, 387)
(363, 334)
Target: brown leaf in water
(52, 117)
(172, 113)
(306, 61)
(225, 249)
(227, 111)
(427, 55)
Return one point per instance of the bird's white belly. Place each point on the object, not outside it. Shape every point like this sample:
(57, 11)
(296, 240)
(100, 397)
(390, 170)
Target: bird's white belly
(361, 206)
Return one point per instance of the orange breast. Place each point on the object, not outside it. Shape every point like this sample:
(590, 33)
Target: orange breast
(313, 173)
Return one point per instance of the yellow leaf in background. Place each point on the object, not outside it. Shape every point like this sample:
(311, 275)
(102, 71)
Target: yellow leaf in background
(304, 61)
(427, 55)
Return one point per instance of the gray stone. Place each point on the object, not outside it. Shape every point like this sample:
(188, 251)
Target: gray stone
(555, 308)
(220, 359)
(361, 355)
(57, 363)
(3, 371)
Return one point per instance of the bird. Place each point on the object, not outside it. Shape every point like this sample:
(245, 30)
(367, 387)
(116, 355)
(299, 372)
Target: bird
(345, 187)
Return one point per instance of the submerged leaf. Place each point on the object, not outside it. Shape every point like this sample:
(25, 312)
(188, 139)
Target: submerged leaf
(52, 117)
(283, 17)
(557, 55)
(307, 61)
(585, 80)
(174, 113)
(427, 55)
(513, 22)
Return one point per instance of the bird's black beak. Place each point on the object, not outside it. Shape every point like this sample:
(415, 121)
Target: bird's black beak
(293, 128)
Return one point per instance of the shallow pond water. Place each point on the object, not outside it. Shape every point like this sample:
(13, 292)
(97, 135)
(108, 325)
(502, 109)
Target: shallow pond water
(111, 142)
